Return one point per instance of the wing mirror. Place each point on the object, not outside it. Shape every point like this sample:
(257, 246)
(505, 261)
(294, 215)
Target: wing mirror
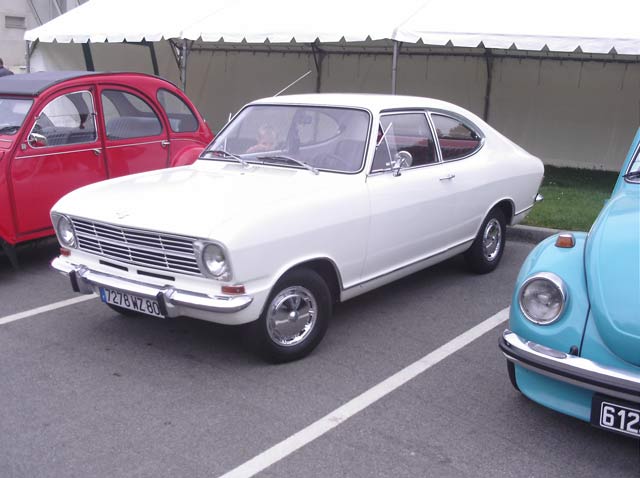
(37, 140)
(402, 159)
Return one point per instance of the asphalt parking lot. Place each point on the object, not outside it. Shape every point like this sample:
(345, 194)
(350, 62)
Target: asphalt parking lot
(86, 392)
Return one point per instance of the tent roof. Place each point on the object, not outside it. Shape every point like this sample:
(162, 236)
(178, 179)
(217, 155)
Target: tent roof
(570, 25)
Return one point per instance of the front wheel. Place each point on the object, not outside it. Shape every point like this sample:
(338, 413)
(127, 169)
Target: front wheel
(486, 251)
(295, 317)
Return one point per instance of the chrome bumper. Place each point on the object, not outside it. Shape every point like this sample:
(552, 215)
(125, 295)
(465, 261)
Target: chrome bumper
(173, 302)
(568, 368)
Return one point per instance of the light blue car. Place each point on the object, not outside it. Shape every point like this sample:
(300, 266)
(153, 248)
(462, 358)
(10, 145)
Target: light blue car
(573, 342)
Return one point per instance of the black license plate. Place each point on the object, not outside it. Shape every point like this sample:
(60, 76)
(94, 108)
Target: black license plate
(616, 415)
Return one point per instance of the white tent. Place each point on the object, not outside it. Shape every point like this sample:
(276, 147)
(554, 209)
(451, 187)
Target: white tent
(490, 56)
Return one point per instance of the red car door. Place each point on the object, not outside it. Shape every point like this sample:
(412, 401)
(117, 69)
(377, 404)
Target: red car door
(61, 152)
(136, 137)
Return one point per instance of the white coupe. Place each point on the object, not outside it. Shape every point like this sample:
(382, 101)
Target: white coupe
(300, 202)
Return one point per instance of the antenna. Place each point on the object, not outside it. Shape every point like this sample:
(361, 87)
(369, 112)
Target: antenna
(291, 84)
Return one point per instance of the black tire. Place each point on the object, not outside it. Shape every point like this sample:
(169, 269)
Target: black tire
(298, 290)
(511, 368)
(482, 257)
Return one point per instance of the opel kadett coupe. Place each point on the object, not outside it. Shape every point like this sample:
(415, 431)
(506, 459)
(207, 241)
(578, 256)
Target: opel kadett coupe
(61, 130)
(574, 339)
(300, 202)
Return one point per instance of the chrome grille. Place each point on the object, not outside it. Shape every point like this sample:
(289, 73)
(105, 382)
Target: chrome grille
(135, 246)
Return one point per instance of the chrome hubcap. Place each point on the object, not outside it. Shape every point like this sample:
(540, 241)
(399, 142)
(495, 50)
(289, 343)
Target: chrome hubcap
(291, 316)
(492, 240)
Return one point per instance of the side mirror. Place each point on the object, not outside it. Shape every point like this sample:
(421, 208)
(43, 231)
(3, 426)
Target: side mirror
(37, 140)
(402, 159)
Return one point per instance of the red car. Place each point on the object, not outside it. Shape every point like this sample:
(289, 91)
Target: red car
(62, 130)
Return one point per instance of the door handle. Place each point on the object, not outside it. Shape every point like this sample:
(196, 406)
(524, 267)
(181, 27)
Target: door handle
(96, 151)
(448, 176)
(165, 143)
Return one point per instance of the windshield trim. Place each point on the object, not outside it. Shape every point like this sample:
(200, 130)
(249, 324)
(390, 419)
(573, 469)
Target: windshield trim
(635, 159)
(291, 166)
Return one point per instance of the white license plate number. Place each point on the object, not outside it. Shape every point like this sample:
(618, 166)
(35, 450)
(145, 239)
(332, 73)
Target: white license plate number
(130, 301)
(616, 416)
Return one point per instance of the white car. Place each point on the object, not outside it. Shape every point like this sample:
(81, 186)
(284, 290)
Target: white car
(300, 202)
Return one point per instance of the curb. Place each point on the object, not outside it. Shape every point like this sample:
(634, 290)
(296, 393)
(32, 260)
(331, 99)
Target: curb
(529, 233)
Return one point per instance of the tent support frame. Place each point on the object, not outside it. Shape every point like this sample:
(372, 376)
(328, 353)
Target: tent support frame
(394, 65)
(31, 47)
(181, 50)
(487, 94)
(88, 57)
(318, 58)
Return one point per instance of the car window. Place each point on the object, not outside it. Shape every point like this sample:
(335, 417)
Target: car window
(128, 116)
(408, 132)
(67, 119)
(12, 114)
(332, 139)
(181, 118)
(456, 139)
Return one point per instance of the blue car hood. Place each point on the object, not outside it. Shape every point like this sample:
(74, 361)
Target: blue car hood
(612, 263)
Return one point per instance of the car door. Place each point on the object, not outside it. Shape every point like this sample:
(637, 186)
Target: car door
(136, 136)
(413, 214)
(61, 152)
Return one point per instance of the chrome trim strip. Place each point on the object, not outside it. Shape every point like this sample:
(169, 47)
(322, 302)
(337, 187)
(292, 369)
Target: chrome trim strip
(523, 210)
(406, 266)
(132, 144)
(6, 140)
(570, 369)
(61, 152)
(175, 300)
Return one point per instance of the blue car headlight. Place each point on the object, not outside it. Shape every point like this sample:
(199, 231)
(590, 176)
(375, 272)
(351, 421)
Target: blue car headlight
(542, 298)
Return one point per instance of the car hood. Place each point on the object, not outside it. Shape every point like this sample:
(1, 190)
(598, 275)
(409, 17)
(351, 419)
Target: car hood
(613, 275)
(207, 199)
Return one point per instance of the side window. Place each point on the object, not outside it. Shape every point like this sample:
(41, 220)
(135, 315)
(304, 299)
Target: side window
(128, 116)
(68, 119)
(181, 118)
(408, 132)
(456, 139)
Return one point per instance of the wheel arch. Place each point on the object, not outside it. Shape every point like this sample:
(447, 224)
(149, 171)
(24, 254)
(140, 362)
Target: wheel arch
(325, 268)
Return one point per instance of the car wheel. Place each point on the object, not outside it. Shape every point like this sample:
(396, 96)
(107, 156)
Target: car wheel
(511, 368)
(295, 317)
(486, 251)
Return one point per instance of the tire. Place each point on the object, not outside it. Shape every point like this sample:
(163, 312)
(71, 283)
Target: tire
(290, 338)
(511, 369)
(486, 251)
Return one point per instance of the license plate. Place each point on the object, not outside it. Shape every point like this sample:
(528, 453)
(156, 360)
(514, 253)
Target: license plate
(130, 301)
(616, 415)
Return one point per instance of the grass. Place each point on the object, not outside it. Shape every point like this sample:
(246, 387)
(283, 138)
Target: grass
(572, 198)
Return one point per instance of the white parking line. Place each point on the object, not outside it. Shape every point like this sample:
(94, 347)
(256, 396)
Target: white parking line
(359, 403)
(45, 308)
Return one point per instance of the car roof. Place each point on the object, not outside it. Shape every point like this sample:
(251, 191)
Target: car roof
(373, 102)
(33, 84)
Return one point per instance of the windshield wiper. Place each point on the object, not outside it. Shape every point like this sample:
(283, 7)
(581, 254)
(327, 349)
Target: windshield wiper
(226, 154)
(292, 160)
(632, 175)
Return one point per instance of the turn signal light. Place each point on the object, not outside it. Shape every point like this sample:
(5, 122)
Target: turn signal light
(233, 289)
(65, 252)
(566, 241)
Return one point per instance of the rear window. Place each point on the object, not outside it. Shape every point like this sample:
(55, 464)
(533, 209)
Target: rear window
(456, 139)
(181, 118)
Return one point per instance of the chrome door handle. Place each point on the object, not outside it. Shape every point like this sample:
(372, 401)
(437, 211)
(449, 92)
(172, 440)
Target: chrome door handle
(96, 151)
(448, 176)
(165, 143)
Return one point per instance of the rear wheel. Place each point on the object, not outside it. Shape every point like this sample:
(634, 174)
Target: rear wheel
(486, 251)
(295, 317)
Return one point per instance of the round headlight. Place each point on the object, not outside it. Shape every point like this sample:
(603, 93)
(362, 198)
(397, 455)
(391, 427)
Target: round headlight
(66, 234)
(542, 298)
(214, 261)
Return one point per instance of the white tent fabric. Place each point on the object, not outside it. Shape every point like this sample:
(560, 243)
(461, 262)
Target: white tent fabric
(563, 26)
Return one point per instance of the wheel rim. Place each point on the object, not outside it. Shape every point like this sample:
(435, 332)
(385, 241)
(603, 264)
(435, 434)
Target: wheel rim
(291, 316)
(492, 240)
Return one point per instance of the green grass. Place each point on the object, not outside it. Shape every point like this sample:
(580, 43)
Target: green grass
(572, 198)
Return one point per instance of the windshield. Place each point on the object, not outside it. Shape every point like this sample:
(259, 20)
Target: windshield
(320, 138)
(12, 114)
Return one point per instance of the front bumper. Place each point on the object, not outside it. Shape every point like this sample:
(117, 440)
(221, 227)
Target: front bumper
(570, 369)
(173, 302)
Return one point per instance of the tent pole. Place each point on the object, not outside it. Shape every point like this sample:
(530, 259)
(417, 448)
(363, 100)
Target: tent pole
(487, 94)
(183, 63)
(318, 56)
(394, 66)
(88, 57)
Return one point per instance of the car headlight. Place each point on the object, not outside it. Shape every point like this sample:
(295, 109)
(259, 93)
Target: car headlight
(542, 298)
(213, 261)
(65, 231)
